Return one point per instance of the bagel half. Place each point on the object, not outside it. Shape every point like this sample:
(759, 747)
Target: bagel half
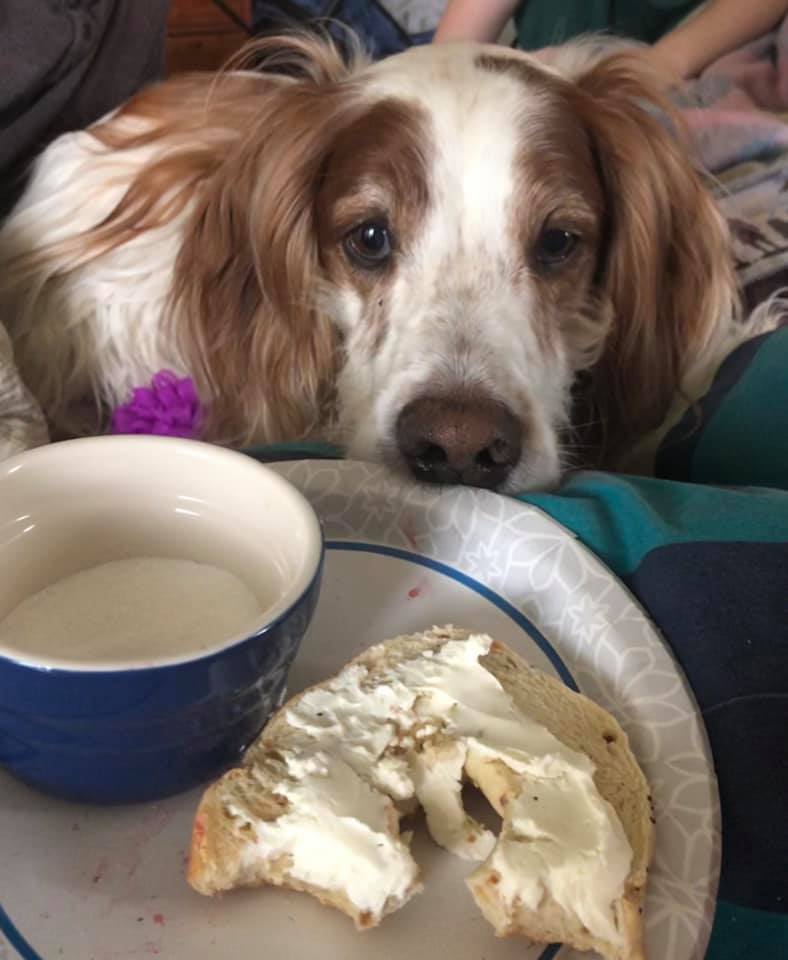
(317, 804)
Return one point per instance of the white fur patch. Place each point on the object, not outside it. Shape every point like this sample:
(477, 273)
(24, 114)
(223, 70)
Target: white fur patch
(85, 330)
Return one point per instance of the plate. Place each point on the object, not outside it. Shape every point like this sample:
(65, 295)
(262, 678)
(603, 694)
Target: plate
(87, 883)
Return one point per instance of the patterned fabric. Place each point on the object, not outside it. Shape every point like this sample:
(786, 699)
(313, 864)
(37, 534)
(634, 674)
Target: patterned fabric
(736, 113)
(21, 422)
(734, 108)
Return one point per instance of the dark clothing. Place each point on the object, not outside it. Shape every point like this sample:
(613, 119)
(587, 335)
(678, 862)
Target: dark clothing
(63, 64)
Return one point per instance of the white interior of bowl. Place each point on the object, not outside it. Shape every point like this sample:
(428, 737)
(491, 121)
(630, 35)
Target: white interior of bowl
(73, 505)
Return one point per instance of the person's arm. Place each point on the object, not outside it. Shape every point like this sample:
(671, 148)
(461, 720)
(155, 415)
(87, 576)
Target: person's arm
(474, 20)
(718, 28)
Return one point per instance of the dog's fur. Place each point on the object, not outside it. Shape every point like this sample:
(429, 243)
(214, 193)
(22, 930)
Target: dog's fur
(204, 227)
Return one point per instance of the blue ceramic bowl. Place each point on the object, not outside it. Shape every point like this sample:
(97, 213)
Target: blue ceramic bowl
(110, 730)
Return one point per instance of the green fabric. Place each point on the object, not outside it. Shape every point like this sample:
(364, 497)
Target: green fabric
(543, 23)
(740, 933)
(295, 451)
(623, 518)
(746, 441)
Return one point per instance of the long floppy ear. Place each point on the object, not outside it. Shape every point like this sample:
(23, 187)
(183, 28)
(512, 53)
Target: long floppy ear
(247, 278)
(666, 269)
(234, 167)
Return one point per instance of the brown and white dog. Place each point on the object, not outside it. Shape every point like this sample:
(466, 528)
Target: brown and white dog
(459, 259)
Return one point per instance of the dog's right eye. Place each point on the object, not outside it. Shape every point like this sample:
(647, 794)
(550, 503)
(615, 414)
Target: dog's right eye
(369, 245)
(554, 246)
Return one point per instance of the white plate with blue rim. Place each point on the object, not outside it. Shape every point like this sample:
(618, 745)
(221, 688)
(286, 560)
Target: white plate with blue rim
(92, 883)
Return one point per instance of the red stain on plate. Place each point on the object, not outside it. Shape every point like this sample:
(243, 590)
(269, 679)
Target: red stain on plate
(418, 590)
(158, 919)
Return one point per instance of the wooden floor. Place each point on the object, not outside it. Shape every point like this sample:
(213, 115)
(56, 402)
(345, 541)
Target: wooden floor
(200, 35)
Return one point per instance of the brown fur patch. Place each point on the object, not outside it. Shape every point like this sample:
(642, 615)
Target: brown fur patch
(248, 277)
(377, 169)
(667, 268)
(516, 66)
(606, 152)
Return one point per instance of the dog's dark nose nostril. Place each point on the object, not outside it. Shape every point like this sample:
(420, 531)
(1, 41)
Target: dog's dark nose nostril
(474, 441)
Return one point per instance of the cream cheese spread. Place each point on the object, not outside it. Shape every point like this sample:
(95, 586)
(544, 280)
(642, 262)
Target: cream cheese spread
(360, 748)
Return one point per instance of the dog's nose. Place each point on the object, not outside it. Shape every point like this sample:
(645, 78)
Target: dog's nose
(474, 441)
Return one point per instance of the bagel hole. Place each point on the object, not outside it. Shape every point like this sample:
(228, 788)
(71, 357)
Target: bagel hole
(477, 806)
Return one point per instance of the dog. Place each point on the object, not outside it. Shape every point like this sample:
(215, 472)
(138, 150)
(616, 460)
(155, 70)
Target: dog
(461, 260)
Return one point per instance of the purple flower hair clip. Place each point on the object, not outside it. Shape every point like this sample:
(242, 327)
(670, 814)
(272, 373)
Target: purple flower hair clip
(169, 407)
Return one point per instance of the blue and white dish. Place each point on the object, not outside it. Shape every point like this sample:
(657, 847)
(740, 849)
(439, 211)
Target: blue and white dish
(122, 731)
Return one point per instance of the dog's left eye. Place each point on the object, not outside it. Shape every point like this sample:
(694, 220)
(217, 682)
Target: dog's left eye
(555, 245)
(369, 245)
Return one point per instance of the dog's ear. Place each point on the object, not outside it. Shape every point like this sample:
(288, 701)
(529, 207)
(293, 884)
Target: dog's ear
(666, 268)
(247, 278)
(234, 166)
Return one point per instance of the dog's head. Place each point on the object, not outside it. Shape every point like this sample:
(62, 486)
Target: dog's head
(430, 255)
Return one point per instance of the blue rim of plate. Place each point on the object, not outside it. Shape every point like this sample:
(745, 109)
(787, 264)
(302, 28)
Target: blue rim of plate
(23, 948)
